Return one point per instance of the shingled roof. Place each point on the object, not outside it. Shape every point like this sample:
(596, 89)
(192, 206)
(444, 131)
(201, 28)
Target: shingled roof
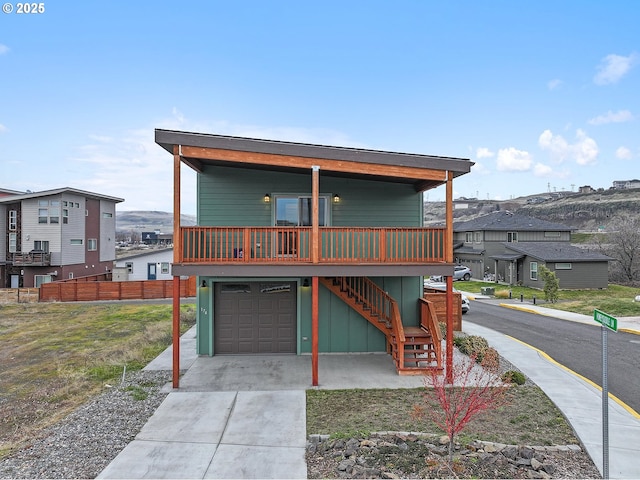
(556, 252)
(505, 220)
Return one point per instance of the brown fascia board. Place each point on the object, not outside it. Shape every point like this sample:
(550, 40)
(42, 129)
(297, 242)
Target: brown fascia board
(168, 138)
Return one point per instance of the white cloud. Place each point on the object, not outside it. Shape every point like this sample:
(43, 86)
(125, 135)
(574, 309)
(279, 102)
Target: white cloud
(542, 170)
(624, 153)
(612, 117)
(613, 67)
(2, 128)
(584, 151)
(483, 152)
(3, 49)
(513, 160)
(553, 84)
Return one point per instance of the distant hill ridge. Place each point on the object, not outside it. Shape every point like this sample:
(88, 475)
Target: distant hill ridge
(142, 220)
(585, 212)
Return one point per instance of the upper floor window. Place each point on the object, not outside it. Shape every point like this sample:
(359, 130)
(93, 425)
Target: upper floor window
(512, 237)
(164, 267)
(76, 241)
(295, 211)
(13, 219)
(469, 237)
(107, 215)
(477, 237)
(41, 245)
(13, 242)
(65, 215)
(129, 266)
(92, 244)
(563, 266)
(43, 215)
(551, 234)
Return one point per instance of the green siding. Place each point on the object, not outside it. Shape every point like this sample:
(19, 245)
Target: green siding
(234, 197)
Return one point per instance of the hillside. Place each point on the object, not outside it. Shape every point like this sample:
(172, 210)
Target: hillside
(149, 221)
(586, 212)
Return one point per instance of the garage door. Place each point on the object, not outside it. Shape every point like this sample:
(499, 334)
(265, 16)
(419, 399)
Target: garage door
(255, 318)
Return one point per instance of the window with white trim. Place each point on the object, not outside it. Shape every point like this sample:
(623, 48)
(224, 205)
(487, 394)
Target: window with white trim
(564, 266)
(13, 242)
(129, 266)
(13, 219)
(164, 267)
(77, 241)
(92, 244)
(468, 237)
(533, 270)
(41, 245)
(477, 237)
(512, 237)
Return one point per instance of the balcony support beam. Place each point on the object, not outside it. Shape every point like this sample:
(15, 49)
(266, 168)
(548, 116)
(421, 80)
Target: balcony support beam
(177, 249)
(449, 259)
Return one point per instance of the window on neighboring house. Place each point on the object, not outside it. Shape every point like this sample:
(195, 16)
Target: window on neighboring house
(43, 215)
(512, 237)
(70, 275)
(13, 219)
(129, 266)
(65, 215)
(164, 267)
(40, 279)
(551, 234)
(477, 237)
(533, 270)
(41, 245)
(77, 241)
(65, 203)
(43, 203)
(468, 237)
(563, 266)
(13, 242)
(92, 244)
(54, 215)
(76, 204)
(107, 215)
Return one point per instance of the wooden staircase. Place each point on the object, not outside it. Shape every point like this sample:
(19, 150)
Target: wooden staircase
(415, 350)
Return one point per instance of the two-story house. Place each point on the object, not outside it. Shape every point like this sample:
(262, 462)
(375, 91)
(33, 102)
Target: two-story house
(506, 246)
(303, 248)
(55, 235)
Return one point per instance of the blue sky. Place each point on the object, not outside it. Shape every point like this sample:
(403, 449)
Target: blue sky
(543, 96)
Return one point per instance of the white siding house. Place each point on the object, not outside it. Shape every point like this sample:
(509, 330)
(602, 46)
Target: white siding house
(149, 265)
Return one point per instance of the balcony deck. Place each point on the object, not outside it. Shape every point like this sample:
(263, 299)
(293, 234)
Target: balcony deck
(32, 259)
(293, 245)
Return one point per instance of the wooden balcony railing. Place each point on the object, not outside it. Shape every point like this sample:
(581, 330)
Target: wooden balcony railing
(293, 244)
(32, 259)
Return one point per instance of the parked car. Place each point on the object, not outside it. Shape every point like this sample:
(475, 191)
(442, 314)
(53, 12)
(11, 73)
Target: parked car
(443, 286)
(460, 272)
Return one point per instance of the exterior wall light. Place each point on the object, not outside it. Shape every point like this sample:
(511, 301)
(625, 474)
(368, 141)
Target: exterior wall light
(267, 198)
(204, 284)
(336, 198)
(305, 282)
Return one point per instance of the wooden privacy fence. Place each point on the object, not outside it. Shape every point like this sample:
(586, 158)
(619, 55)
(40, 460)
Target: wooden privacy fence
(18, 295)
(132, 290)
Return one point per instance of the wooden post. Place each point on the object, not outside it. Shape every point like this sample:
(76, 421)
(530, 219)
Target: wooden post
(315, 209)
(177, 246)
(314, 330)
(449, 259)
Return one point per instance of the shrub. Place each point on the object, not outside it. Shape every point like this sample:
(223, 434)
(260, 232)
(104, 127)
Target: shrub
(513, 376)
(502, 294)
(472, 345)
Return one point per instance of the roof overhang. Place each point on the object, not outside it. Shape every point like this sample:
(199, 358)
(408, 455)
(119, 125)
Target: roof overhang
(198, 150)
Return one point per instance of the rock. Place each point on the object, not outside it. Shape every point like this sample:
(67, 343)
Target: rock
(444, 440)
(535, 464)
(346, 465)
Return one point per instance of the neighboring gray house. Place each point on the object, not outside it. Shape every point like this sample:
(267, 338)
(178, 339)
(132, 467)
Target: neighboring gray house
(574, 267)
(509, 247)
(148, 265)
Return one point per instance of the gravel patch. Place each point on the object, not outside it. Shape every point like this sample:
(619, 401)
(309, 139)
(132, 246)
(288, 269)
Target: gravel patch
(87, 440)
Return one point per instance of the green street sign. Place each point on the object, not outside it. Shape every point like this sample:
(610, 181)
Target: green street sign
(606, 320)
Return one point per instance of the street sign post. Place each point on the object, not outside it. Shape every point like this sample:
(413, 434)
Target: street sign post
(608, 323)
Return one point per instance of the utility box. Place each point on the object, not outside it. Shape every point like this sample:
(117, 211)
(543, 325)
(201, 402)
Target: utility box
(487, 290)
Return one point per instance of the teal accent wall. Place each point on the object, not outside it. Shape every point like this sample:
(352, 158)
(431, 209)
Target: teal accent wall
(204, 317)
(235, 197)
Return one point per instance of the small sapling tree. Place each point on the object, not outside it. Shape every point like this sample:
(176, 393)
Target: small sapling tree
(476, 388)
(551, 284)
